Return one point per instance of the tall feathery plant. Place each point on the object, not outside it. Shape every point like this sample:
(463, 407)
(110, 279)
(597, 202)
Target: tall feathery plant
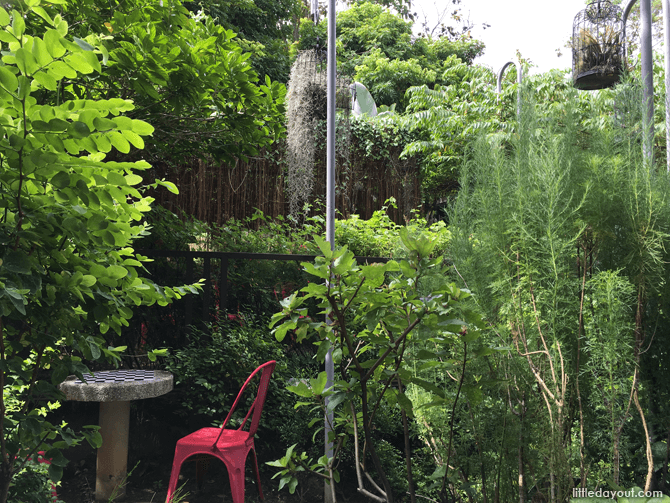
(561, 232)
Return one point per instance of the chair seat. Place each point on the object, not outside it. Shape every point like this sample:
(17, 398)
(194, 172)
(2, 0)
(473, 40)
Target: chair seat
(205, 438)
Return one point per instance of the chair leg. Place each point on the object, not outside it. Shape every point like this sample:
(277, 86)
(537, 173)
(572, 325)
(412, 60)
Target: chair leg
(174, 476)
(236, 477)
(258, 475)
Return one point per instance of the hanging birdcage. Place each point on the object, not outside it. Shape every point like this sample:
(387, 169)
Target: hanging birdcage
(597, 46)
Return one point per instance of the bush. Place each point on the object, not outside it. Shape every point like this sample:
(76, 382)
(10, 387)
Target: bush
(33, 485)
(380, 236)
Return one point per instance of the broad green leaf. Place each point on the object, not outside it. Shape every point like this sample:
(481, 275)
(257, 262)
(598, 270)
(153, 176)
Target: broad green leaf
(88, 117)
(4, 17)
(117, 271)
(8, 80)
(319, 384)
(319, 272)
(83, 44)
(18, 24)
(78, 130)
(7, 37)
(46, 81)
(102, 142)
(17, 262)
(116, 178)
(40, 52)
(92, 59)
(142, 128)
(58, 70)
(119, 142)
(60, 180)
(16, 142)
(324, 246)
(133, 179)
(102, 124)
(78, 63)
(52, 40)
(61, 25)
(43, 14)
(55, 472)
(26, 61)
(24, 87)
(133, 138)
(301, 389)
(88, 280)
(168, 185)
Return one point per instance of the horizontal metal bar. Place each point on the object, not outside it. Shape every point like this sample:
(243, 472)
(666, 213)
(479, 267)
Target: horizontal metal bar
(243, 255)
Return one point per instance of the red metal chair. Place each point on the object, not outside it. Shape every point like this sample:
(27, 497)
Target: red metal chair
(230, 446)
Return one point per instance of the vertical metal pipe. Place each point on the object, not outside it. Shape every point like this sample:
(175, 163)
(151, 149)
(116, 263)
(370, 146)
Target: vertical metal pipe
(648, 81)
(223, 285)
(330, 202)
(648, 73)
(207, 290)
(519, 79)
(666, 40)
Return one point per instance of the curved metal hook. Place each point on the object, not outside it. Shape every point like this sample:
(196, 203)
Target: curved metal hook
(519, 79)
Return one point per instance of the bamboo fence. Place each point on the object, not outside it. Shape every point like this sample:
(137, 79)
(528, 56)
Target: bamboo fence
(216, 192)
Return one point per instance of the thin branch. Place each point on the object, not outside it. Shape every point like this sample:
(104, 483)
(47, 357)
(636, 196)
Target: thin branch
(453, 415)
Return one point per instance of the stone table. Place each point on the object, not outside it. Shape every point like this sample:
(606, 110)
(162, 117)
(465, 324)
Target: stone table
(114, 389)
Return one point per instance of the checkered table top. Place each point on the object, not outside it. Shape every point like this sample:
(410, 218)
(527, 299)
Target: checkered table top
(118, 376)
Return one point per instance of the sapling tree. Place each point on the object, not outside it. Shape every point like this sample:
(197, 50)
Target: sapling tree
(377, 316)
(68, 272)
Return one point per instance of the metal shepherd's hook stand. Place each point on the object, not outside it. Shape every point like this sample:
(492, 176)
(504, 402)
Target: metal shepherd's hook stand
(648, 74)
(519, 79)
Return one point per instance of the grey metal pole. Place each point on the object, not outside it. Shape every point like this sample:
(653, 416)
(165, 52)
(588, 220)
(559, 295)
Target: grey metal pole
(647, 74)
(666, 40)
(519, 79)
(330, 204)
(648, 81)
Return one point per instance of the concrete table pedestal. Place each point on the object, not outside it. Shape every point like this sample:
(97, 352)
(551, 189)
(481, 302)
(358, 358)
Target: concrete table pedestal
(114, 389)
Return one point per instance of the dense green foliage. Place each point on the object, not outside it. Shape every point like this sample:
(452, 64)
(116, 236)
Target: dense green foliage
(382, 318)
(208, 376)
(69, 218)
(32, 485)
(265, 28)
(189, 77)
(376, 48)
(562, 231)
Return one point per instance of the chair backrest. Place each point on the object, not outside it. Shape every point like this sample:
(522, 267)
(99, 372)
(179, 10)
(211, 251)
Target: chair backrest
(257, 406)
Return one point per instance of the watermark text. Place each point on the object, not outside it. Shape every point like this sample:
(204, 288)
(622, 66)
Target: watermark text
(582, 492)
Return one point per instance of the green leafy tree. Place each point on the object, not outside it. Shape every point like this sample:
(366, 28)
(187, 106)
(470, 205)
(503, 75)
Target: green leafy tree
(265, 28)
(378, 49)
(188, 76)
(68, 220)
(376, 314)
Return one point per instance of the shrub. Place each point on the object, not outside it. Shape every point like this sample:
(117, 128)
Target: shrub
(32, 484)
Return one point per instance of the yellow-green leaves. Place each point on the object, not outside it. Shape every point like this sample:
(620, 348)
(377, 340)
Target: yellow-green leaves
(18, 24)
(4, 17)
(52, 41)
(8, 79)
(41, 52)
